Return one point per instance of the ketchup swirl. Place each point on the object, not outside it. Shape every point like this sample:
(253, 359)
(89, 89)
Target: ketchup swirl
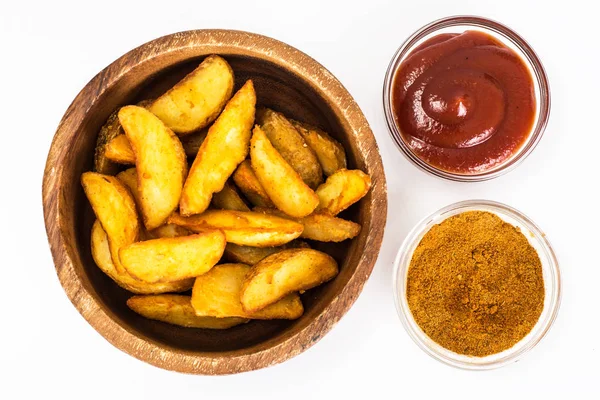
(464, 103)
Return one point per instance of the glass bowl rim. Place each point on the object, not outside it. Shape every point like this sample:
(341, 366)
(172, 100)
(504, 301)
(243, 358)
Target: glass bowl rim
(553, 294)
(530, 58)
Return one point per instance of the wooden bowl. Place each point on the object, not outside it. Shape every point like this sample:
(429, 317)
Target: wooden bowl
(285, 79)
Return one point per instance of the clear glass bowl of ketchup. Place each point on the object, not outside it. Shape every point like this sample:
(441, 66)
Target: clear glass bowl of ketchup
(466, 98)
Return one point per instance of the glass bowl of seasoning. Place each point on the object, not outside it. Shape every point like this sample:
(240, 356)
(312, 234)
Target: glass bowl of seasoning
(476, 285)
(466, 98)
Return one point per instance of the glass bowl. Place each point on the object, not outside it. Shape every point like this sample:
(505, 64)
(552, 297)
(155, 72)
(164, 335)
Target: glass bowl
(510, 38)
(550, 270)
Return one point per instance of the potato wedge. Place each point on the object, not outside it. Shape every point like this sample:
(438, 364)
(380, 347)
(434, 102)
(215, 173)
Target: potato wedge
(229, 199)
(251, 255)
(103, 259)
(217, 294)
(284, 186)
(160, 163)
(245, 179)
(342, 189)
(329, 152)
(225, 147)
(119, 150)
(110, 130)
(168, 231)
(173, 259)
(115, 209)
(177, 309)
(321, 227)
(197, 99)
(242, 227)
(283, 273)
(326, 228)
(291, 145)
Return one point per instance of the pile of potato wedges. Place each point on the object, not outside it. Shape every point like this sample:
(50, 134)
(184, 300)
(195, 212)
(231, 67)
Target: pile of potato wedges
(231, 225)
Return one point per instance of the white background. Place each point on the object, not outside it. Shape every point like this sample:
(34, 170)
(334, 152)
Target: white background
(51, 49)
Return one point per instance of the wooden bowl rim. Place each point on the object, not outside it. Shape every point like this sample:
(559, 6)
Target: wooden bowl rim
(213, 41)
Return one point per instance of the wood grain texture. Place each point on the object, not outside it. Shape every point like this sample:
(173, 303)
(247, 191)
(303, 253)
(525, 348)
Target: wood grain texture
(286, 80)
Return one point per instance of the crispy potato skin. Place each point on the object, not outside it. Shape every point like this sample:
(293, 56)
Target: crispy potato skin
(177, 309)
(160, 163)
(251, 255)
(197, 99)
(291, 145)
(285, 272)
(284, 186)
(115, 209)
(321, 227)
(229, 199)
(103, 259)
(110, 130)
(225, 147)
(217, 294)
(329, 152)
(246, 180)
(173, 259)
(242, 227)
(342, 189)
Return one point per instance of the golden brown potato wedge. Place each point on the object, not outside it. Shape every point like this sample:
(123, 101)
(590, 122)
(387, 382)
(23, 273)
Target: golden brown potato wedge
(321, 227)
(177, 309)
(160, 163)
(283, 273)
(342, 189)
(173, 259)
(103, 259)
(168, 231)
(217, 294)
(110, 130)
(291, 145)
(284, 186)
(229, 199)
(119, 150)
(326, 228)
(225, 147)
(242, 227)
(251, 255)
(115, 209)
(197, 99)
(248, 183)
(329, 152)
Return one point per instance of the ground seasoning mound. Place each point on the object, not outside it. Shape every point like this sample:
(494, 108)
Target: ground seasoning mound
(475, 284)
